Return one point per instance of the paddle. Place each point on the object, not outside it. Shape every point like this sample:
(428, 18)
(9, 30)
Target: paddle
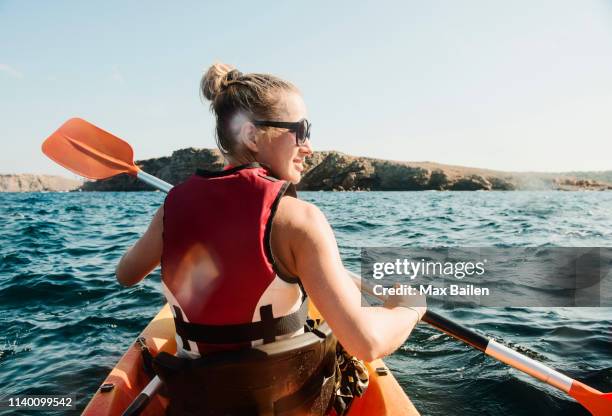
(89, 151)
(96, 154)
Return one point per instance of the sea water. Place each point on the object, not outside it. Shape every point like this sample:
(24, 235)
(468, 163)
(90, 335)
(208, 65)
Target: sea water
(64, 320)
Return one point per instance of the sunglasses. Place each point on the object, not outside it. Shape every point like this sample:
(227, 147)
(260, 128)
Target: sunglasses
(301, 128)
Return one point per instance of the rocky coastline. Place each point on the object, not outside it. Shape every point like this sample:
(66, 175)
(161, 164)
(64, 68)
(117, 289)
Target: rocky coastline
(335, 171)
(331, 171)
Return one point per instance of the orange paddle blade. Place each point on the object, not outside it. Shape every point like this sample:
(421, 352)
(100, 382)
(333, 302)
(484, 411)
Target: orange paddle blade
(596, 402)
(89, 151)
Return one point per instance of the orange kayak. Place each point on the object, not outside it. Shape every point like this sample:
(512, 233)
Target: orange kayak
(384, 395)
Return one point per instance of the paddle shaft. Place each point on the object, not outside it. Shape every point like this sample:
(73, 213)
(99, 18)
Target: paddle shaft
(154, 181)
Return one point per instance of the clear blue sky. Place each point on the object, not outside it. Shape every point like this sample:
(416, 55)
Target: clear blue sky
(521, 85)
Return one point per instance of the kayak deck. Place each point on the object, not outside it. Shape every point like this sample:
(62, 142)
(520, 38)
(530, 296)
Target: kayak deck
(384, 395)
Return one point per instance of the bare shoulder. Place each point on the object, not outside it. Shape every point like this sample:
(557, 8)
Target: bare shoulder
(297, 215)
(296, 224)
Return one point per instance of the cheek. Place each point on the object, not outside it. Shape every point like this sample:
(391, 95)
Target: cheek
(289, 150)
(284, 148)
(279, 151)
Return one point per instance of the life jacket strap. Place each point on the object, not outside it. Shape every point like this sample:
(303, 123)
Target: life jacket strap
(178, 319)
(267, 329)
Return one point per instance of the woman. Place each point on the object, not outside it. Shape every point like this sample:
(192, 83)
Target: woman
(233, 244)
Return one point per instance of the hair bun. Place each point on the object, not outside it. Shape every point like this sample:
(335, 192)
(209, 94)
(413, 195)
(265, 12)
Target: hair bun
(216, 78)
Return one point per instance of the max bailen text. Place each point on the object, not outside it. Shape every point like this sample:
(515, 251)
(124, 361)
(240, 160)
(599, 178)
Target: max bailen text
(430, 290)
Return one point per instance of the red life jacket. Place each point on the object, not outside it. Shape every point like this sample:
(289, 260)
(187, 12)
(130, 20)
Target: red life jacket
(218, 269)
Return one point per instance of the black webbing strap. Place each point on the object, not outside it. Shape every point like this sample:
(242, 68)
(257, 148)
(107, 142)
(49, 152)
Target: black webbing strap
(178, 318)
(267, 329)
(267, 320)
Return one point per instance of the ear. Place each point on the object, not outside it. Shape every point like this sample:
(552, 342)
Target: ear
(248, 136)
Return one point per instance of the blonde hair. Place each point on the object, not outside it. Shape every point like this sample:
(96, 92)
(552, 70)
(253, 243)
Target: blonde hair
(231, 92)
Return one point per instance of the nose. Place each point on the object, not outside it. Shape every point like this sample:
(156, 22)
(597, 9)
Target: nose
(306, 148)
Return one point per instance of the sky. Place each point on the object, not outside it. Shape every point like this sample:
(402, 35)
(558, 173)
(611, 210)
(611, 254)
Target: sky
(518, 86)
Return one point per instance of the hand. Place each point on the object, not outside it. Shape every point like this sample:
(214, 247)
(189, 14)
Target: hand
(416, 302)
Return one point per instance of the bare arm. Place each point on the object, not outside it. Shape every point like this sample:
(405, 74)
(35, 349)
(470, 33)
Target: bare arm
(144, 256)
(366, 332)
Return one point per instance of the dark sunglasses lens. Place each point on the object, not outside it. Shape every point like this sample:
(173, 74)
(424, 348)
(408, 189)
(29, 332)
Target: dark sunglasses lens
(299, 133)
(303, 132)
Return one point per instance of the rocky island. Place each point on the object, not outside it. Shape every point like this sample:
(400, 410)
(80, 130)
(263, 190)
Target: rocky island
(335, 171)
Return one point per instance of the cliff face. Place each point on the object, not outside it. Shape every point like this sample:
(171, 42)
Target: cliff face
(37, 183)
(335, 171)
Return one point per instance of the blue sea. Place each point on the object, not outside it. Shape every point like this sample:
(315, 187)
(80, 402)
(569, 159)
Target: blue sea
(64, 321)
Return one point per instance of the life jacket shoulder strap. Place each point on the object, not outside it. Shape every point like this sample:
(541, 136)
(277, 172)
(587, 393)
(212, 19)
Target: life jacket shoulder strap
(267, 329)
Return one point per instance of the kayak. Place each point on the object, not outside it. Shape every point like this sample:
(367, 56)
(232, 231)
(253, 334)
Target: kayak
(384, 395)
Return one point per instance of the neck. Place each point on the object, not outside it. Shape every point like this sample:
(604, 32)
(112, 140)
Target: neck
(237, 160)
